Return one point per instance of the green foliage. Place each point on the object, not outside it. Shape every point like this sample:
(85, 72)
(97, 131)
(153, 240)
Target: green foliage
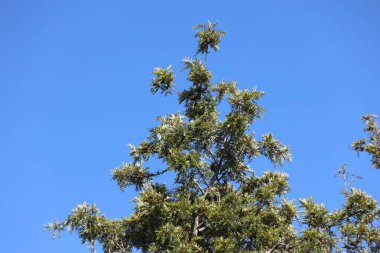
(358, 222)
(318, 235)
(128, 174)
(163, 81)
(208, 36)
(372, 144)
(92, 227)
(217, 203)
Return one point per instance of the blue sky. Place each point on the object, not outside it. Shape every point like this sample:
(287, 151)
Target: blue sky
(74, 91)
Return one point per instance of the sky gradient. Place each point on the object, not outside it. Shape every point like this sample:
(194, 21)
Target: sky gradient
(74, 91)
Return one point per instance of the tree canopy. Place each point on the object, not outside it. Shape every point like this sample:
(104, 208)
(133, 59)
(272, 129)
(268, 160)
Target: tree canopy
(217, 202)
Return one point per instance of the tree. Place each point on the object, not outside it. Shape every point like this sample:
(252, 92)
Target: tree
(217, 203)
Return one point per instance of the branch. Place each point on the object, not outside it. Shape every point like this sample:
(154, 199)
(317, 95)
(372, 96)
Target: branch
(212, 155)
(175, 91)
(280, 243)
(158, 173)
(205, 182)
(199, 187)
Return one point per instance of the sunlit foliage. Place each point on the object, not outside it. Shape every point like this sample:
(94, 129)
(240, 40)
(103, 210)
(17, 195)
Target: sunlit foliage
(217, 202)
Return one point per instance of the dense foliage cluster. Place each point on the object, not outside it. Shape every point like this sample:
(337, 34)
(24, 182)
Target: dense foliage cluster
(217, 203)
(372, 144)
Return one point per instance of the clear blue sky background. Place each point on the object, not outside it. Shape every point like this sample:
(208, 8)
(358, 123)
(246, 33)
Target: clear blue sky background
(74, 91)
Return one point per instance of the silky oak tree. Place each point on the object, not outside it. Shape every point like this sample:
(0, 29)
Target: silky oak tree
(217, 203)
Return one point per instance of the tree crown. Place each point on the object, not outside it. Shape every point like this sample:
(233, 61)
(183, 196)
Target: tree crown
(217, 203)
